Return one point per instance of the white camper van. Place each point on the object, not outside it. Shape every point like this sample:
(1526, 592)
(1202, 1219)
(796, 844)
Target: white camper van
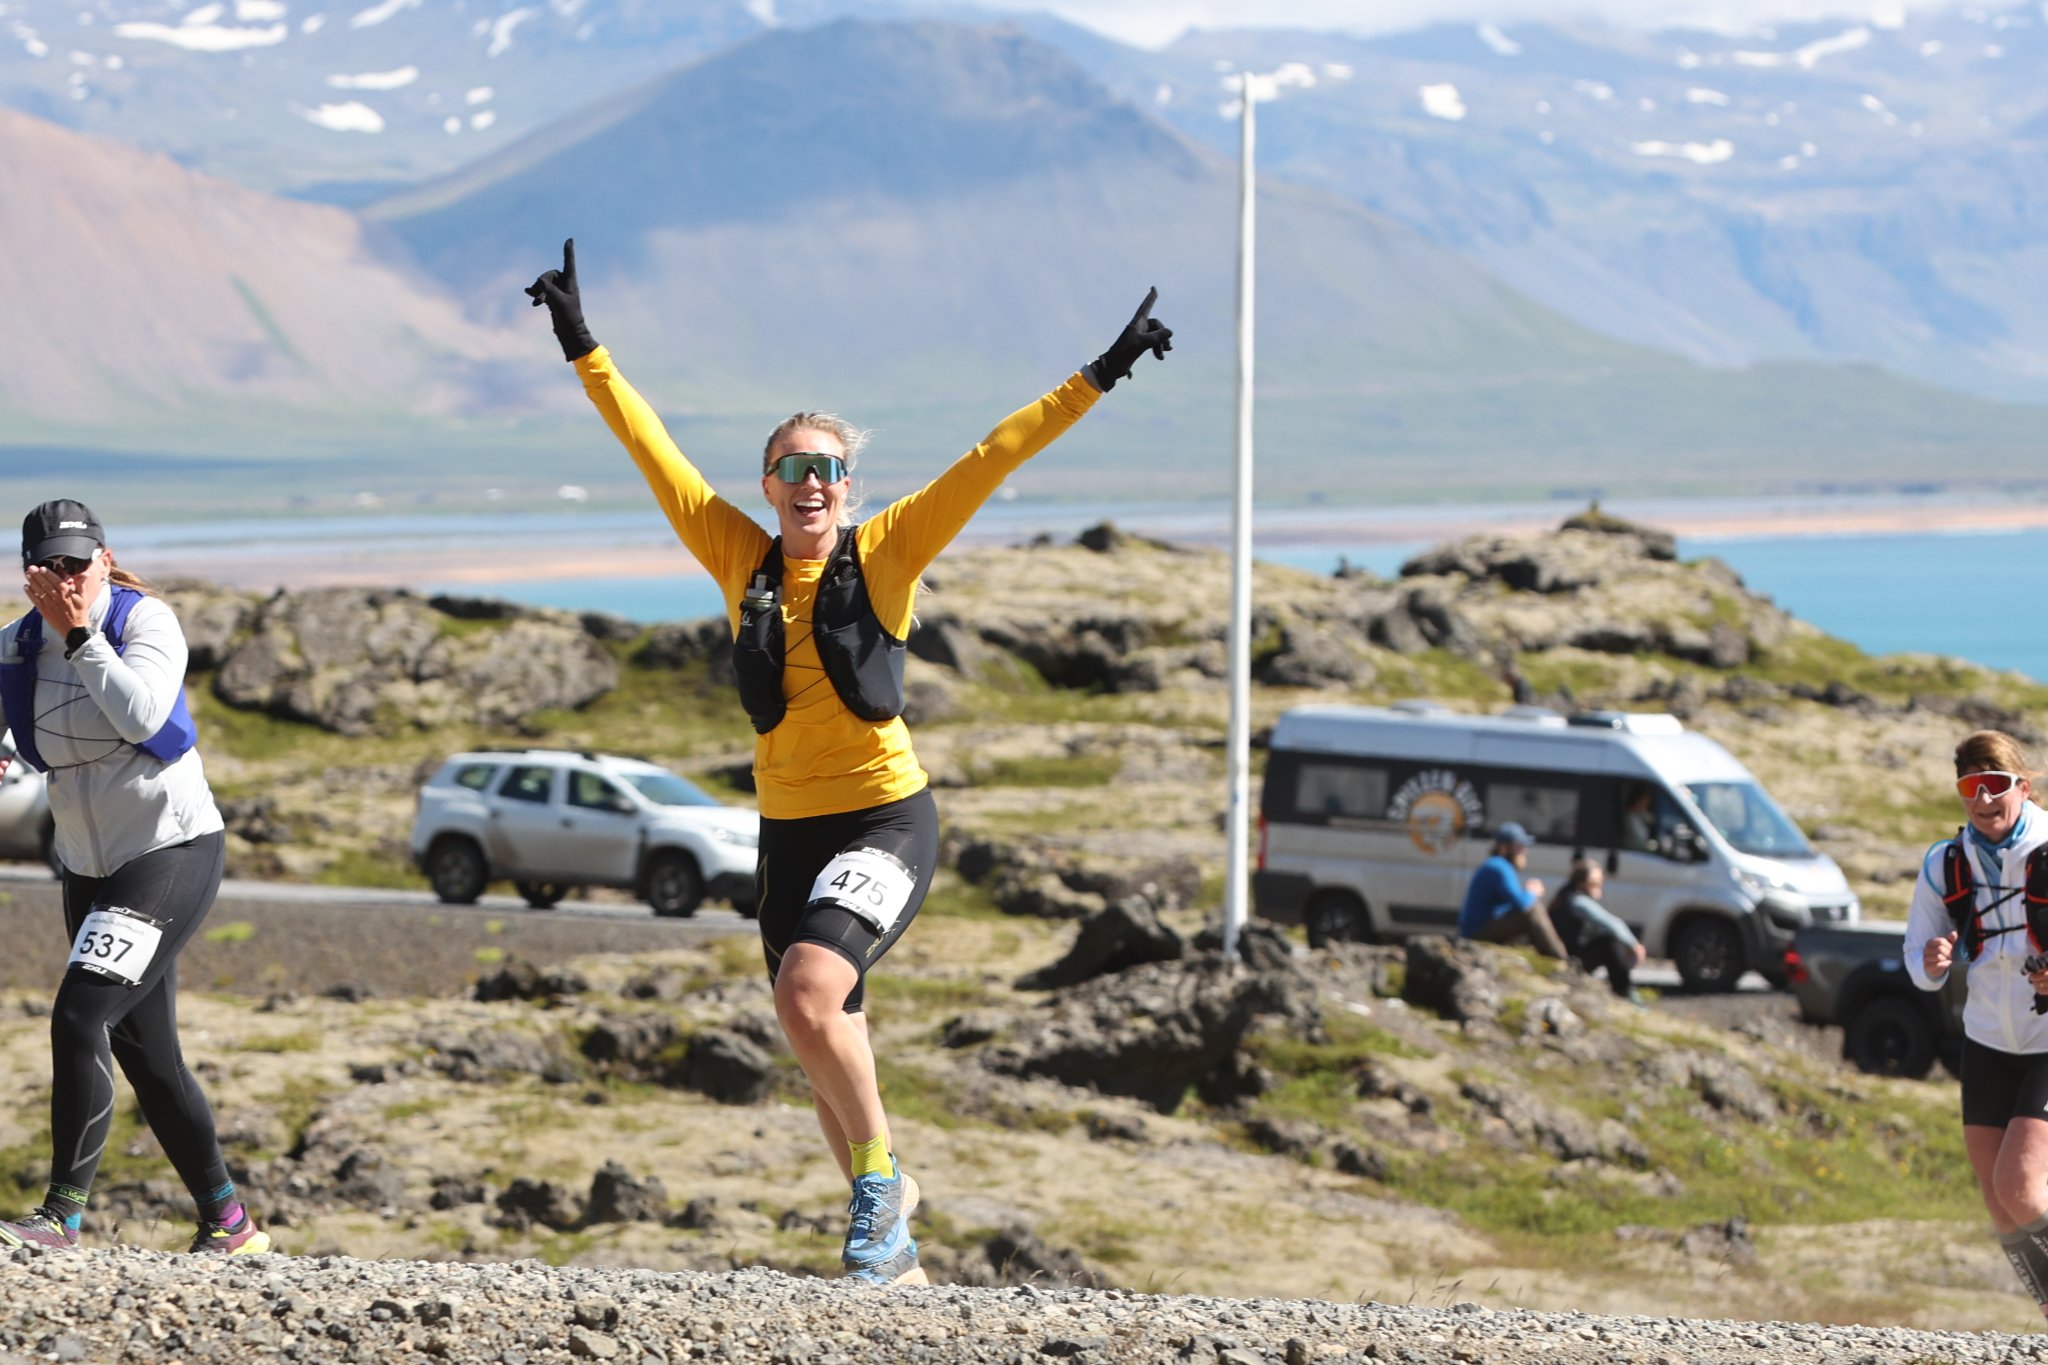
(1373, 820)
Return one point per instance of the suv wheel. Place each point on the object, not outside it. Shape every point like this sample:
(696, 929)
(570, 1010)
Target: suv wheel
(1707, 950)
(457, 870)
(541, 895)
(1336, 917)
(1890, 1037)
(674, 886)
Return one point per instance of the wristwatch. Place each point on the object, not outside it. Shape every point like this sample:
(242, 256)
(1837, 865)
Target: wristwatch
(75, 638)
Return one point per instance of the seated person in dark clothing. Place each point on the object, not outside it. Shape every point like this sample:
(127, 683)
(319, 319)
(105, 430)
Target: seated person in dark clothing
(1592, 933)
(1499, 906)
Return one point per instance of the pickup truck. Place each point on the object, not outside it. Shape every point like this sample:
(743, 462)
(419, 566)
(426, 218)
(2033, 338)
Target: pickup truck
(1853, 975)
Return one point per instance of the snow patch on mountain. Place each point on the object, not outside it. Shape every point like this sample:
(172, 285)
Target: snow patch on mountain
(378, 13)
(501, 28)
(376, 80)
(351, 117)
(203, 37)
(1442, 101)
(1501, 44)
(1699, 153)
(1807, 57)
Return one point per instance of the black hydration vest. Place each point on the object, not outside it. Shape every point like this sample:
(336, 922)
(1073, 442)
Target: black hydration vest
(864, 661)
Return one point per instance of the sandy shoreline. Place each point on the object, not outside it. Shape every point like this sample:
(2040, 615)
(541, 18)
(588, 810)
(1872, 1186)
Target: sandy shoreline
(483, 561)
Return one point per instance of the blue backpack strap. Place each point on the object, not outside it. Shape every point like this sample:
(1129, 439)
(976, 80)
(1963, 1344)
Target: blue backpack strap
(18, 690)
(178, 733)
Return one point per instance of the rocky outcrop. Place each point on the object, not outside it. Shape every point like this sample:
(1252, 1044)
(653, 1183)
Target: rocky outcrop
(1123, 935)
(358, 660)
(1157, 1031)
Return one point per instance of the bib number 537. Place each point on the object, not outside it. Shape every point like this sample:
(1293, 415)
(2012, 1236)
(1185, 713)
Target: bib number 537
(116, 943)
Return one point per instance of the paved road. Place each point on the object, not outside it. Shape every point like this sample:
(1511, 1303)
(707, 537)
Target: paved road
(712, 919)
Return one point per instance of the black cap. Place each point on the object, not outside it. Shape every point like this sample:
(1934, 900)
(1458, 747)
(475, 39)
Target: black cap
(61, 526)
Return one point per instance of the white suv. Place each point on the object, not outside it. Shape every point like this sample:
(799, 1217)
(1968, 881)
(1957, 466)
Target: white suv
(551, 820)
(26, 829)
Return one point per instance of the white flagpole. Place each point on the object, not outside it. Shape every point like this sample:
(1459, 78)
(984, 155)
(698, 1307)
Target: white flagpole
(1237, 823)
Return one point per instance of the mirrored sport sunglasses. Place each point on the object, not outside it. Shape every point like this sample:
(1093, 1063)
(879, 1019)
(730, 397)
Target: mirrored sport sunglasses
(1994, 785)
(793, 468)
(64, 566)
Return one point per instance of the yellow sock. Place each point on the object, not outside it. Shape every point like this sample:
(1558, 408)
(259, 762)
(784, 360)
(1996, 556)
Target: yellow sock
(872, 1158)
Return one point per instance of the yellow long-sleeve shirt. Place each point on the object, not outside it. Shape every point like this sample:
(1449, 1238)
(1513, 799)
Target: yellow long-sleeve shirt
(822, 759)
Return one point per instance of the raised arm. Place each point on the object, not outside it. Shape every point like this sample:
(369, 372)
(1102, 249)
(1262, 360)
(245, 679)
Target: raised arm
(720, 536)
(911, 531)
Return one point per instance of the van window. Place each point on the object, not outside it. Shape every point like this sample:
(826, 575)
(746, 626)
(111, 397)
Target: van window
(1341, 789)
(1749, 820)
(1551, 814)
(475, 776)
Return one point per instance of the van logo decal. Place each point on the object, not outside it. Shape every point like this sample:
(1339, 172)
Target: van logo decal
(1437, 806)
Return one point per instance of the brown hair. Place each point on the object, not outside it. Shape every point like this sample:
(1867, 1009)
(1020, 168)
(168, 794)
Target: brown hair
(1995, 751)
(1575, 883)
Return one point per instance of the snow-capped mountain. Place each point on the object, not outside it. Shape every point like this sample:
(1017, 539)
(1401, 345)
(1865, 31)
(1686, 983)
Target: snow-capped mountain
(313, 98)
(1845, 191)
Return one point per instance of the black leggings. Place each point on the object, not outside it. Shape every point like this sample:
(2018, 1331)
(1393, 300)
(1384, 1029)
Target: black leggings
(794, 852)
(98, 1021)
(1617, 957)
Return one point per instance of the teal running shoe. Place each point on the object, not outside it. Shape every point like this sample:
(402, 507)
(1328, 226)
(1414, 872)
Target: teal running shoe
(877, 1220)
(899, 1268)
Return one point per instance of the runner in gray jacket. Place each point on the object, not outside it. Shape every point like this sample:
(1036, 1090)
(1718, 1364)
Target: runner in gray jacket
(142, 847)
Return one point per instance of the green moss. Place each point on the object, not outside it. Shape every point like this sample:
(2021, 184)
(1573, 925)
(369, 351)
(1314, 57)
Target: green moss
(305, 1040)
(371, 867)
(1440, 675)
(1088, 769)
(234, 931)
(462, 628)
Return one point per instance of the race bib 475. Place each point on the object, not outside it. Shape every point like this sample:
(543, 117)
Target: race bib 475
(869, 882)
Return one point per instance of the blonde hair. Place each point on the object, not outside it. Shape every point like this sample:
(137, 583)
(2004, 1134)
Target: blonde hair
(1995, 751)
(852, 439)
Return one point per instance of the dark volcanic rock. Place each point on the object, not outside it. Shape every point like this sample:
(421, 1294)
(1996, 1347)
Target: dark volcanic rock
(1158, 1030)
(356, 660)
(1123, 935)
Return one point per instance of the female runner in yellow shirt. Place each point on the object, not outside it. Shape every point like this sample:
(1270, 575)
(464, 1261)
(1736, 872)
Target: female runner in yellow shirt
(820, 613)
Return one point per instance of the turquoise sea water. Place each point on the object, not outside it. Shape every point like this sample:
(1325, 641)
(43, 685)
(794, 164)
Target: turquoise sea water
(1963, 594)
(1939, 594)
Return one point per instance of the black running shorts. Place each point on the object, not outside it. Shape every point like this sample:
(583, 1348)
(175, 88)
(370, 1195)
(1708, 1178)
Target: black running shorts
(2001, 1086)
(903, 836)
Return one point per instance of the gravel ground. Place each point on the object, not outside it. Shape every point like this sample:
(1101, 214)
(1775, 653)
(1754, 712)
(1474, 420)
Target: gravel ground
(126, 1305)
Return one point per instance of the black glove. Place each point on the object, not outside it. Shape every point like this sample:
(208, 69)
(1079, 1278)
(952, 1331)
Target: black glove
(557, 289)
(1143, 334)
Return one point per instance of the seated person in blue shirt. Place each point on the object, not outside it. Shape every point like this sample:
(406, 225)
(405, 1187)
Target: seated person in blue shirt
(1591, 933)
(1500, 907)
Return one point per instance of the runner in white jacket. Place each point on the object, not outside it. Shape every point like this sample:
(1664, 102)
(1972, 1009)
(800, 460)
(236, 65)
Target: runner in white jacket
(2005, 1045)
(92, 681)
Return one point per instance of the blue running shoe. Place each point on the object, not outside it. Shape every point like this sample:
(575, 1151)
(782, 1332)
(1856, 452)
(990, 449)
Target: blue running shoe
(901, 1268)
(877, 1227)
